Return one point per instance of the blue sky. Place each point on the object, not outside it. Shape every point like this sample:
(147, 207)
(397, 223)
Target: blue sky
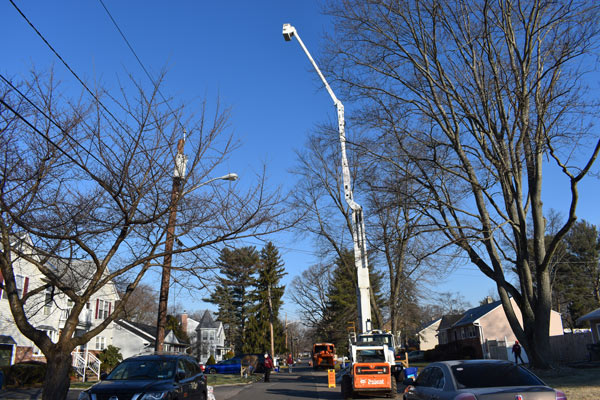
(231, 50)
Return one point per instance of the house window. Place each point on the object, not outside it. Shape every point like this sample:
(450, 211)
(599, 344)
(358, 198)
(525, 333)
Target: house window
(204, 335)
(100, 343)
(103, 309)
(20, 282)
(48, 296)
(212, 335)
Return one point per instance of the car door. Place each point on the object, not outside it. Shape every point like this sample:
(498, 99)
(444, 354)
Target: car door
(183, 380)
(196, 380)
(416, 391)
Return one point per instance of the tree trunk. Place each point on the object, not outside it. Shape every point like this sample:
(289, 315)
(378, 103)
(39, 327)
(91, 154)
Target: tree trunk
(57, 379)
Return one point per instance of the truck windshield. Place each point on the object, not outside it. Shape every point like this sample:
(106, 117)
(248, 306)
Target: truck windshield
(319, 349)
(376, 339)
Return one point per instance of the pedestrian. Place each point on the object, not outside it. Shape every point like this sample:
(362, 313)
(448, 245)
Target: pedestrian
(290, 363)
(516, 349)
(268, 367)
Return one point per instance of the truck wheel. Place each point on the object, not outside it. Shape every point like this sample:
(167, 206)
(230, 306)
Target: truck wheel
(346, 387)
(394, 390)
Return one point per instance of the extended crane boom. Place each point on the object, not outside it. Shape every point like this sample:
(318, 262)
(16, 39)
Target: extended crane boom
(358, 225)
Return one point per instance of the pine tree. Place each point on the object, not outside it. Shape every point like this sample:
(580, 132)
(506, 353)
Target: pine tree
(342, 302)
(577, 281)
(267, 299)
(232, 295)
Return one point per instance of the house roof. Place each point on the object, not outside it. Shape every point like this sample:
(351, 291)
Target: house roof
(207, 322)
(428, 324)
(448, 320)
(147, 332)
(589, 316)
(474, 314)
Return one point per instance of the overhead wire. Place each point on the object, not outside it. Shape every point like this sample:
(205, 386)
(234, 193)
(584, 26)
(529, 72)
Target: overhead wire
(49, 118)
(67, 65)
(141, 63)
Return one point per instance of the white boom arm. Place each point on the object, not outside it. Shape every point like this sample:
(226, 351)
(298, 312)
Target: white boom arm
(358, 225)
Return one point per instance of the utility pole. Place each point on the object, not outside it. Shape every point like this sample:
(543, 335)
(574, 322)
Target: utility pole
(178, 176)
(271, 320)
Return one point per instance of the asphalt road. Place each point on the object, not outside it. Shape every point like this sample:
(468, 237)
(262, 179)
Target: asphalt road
(303, 383)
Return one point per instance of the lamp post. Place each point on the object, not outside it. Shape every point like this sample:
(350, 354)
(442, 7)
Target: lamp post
(176, 194)
(358, 224)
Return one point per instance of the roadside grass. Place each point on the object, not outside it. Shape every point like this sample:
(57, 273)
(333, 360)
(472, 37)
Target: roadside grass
(576, 383)
(231, 379)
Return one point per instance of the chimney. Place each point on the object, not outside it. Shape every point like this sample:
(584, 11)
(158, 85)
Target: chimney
(489, 300)
(184, 322)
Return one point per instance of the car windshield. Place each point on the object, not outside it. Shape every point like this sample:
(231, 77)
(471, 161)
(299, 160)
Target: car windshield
(492, 375)
(143, 369)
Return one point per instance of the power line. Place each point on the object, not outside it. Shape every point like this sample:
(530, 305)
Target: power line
(49, 118)
(66, 65)
(140, 62)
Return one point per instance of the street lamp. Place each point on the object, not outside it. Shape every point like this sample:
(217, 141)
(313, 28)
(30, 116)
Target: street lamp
(176, 194)
(358, 226)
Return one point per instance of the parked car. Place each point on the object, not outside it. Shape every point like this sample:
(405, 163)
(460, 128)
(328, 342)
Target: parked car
(478, 380)
(416, 355)
(231, 366)
(173, 376)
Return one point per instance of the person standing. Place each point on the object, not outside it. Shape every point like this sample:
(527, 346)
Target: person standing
(268, 367)
(516, 349)
(290, 363)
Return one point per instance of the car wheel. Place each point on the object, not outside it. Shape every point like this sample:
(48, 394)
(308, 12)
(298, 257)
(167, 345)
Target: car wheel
(203, 395)
(213, 371)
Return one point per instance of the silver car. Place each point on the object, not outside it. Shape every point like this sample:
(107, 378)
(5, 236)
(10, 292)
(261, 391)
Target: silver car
(478, 380)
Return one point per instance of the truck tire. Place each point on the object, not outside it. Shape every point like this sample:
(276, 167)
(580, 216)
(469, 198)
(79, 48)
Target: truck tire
(394, 390)
(346, 387)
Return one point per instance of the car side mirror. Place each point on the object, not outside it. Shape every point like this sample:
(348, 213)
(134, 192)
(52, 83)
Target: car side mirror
(103, 376)
(180, 375)
(409, 381)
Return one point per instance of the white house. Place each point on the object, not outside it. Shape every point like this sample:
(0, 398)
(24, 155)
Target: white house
(428, 335)
(210, 338)
(48, 311)
(133, 338)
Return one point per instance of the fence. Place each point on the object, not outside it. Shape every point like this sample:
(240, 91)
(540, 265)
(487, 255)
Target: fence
(570, 347)
(567, 348)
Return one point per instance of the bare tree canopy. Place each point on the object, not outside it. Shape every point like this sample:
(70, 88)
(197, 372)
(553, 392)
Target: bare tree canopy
(481, 95)
(80, 183)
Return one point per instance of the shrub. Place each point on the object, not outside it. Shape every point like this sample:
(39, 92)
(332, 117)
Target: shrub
(228, 355)
(211, 360)
(25, 374)
(109, 357)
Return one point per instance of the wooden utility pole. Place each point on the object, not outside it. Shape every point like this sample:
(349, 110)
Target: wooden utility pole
(163, 300)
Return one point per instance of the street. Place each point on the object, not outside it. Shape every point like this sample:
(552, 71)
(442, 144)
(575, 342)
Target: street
(302, 383)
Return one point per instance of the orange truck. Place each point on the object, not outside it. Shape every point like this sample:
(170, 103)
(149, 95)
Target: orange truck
(323, 355)
(369, 373)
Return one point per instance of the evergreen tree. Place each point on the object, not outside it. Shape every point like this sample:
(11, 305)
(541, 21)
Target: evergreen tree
(342, 302)
(233, 293)
(267, 298)
(577, 281)
(174, 325)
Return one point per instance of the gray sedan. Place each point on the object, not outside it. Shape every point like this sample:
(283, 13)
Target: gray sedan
(478, 380)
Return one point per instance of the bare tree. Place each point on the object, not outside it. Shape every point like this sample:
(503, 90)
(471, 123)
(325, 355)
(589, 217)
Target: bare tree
(320, 198)
(80, 182)
(142, 305)
(309, 293)
(481, 94)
